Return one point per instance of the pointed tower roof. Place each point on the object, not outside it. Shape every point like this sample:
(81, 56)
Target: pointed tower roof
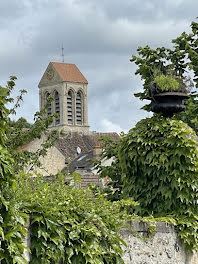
(69, 72)
(57, 72)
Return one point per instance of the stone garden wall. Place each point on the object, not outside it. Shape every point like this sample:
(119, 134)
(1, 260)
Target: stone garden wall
(163, 247)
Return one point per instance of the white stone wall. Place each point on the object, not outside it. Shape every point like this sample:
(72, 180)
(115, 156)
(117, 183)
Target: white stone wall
(163, 247)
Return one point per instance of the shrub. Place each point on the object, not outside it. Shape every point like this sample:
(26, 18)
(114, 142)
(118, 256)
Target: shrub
(70, 225)
(159, 161)
(12, 221)
(166, 83)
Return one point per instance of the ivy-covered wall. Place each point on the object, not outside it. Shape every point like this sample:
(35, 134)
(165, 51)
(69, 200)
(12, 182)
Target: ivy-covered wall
(161, 247)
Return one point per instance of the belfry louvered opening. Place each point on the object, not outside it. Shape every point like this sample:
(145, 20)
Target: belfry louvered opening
(79, 108)
(57, 107)
(49, 104)
(69, 108)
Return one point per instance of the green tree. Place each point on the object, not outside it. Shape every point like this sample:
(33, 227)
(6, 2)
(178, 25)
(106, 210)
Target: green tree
(182, 60)
(187, 44)
(12, 136)
(20, 132)
(11, 220)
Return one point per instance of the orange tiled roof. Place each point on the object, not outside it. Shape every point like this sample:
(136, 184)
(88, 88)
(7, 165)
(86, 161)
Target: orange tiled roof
(69, 72)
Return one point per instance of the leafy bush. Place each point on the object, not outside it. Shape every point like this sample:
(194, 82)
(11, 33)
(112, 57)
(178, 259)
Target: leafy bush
(159, 161)
(70, 225)
(12, 221)
(180, 60)
(166, 83)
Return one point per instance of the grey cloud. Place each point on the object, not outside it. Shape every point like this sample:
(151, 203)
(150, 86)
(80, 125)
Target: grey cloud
(99, 37)
(146, 11)
(11, 10)
(91, 31)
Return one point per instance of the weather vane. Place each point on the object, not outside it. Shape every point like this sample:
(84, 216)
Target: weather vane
(62, 48)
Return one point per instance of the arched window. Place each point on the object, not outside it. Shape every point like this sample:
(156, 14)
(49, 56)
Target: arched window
(57, 107)
(49, 108)
(70, 108)
(79, 108)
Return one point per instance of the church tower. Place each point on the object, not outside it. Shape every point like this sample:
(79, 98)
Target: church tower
(67, 85)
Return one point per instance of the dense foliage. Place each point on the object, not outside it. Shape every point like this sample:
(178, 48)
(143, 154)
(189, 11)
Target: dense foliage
(159, 161)
(166, 83)
(179, 61)
(70, 225)
(164, 60)
(11, 220)
(156, 163)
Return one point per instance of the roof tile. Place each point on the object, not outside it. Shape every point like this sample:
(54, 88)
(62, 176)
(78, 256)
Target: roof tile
(69, 72)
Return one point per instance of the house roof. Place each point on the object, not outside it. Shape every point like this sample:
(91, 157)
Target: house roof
(69, 72)
(82, 161)
(68, 145)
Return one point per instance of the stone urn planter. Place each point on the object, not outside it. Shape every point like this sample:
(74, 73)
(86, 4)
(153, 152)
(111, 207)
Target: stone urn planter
(167, 103)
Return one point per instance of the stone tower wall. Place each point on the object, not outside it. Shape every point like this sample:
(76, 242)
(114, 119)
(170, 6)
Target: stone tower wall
(63, 88)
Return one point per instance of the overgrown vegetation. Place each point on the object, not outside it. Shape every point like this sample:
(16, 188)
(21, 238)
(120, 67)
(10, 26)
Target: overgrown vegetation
(179, 62)
(166, 83)
(156, 163)
(11, 220)
(70, 225)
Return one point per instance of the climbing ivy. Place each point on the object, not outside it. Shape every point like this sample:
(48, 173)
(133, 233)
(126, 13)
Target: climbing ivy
(68, 224)
(71, 225)
(159, 162)
(12, 221)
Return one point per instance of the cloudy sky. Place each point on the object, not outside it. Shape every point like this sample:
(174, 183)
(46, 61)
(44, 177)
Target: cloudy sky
(99, 36)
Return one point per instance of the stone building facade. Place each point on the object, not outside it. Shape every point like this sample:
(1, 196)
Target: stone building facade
(73, 151)
(68, 87)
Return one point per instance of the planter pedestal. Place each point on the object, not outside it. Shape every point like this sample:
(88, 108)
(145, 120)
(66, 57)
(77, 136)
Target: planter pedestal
(169, 103)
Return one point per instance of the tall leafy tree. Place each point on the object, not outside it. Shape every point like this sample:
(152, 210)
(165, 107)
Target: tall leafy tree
(11, 221)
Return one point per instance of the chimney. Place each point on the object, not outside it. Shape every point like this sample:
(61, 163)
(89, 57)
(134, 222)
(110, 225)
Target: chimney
(97, 151)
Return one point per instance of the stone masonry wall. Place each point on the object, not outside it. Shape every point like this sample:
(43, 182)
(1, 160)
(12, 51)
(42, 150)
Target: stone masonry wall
(53, 161)
(163, 247)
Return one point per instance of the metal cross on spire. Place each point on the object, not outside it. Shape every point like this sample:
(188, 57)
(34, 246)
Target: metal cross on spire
(63, 59)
